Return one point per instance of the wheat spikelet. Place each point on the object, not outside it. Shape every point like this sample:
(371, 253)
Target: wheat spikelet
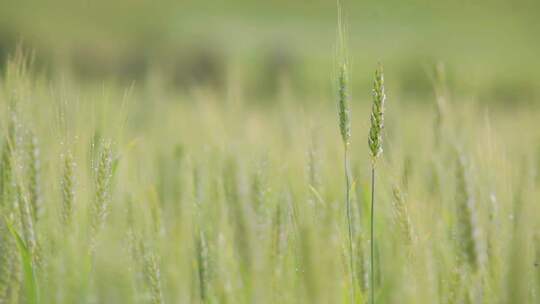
(33, 176)
(468, 227)
(313, 170)
(313, 173)
(377, 115)
(135, 250)
(67, 184)
(259, 191)
(10, 267)
(362, 272)
(401, 216)
(26, 221)
(9, 149)
(344, 110)
(7, 245)
(152, 274)
(7, 259)
(237, 213)
(202, 265)
(99, 207)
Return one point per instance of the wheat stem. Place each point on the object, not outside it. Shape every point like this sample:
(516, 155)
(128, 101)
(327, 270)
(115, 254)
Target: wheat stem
(349, 218)
(372, 232)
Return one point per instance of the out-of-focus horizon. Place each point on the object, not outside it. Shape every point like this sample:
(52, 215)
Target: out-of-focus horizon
(489, 48)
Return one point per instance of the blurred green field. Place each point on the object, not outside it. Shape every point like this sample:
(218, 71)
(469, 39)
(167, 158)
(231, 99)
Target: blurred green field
(489, 47)
(190, 153)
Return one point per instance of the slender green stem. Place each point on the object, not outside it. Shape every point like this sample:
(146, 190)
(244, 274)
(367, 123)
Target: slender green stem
(349, 219)
(372, 240)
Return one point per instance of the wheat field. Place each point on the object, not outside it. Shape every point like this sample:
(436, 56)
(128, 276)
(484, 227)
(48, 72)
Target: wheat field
(139, 193)
(132, 198)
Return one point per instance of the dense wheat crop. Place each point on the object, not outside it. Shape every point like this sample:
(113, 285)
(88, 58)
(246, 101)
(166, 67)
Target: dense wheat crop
(197, 198)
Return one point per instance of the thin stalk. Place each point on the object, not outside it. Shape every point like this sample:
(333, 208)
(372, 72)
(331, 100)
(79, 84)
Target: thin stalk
(372, 239)
(349, 219)
(375, 147)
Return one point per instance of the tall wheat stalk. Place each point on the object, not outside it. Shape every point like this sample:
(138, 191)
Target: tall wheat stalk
(344, 112)
(375, 147)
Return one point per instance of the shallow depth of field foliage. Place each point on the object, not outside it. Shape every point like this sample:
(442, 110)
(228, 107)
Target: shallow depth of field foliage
(229, 187)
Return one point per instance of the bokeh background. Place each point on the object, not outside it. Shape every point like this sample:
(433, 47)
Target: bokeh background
(489, 47)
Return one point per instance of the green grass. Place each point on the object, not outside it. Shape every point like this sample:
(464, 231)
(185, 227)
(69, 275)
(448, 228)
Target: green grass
(156, 196)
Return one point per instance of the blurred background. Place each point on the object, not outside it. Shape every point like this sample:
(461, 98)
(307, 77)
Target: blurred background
(489, 47)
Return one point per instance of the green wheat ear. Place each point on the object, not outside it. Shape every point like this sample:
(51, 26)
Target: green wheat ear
(151, 273)
(468, 227)
(33, 175)
(68, 188)
(401, 215)
(344, 108)
(27, 224)
(377, 115)
(100, 206)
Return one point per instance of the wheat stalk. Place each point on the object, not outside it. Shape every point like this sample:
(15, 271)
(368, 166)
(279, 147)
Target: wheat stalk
(375, 148)
(344, 115)
(345, 129)
(202, 265)
(441, 101)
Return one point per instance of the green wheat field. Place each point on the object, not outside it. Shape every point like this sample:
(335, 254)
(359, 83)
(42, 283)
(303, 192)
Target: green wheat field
(345, 161)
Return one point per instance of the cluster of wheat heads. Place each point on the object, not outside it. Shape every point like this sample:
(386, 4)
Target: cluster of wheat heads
(375, 149)
(374, 144)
